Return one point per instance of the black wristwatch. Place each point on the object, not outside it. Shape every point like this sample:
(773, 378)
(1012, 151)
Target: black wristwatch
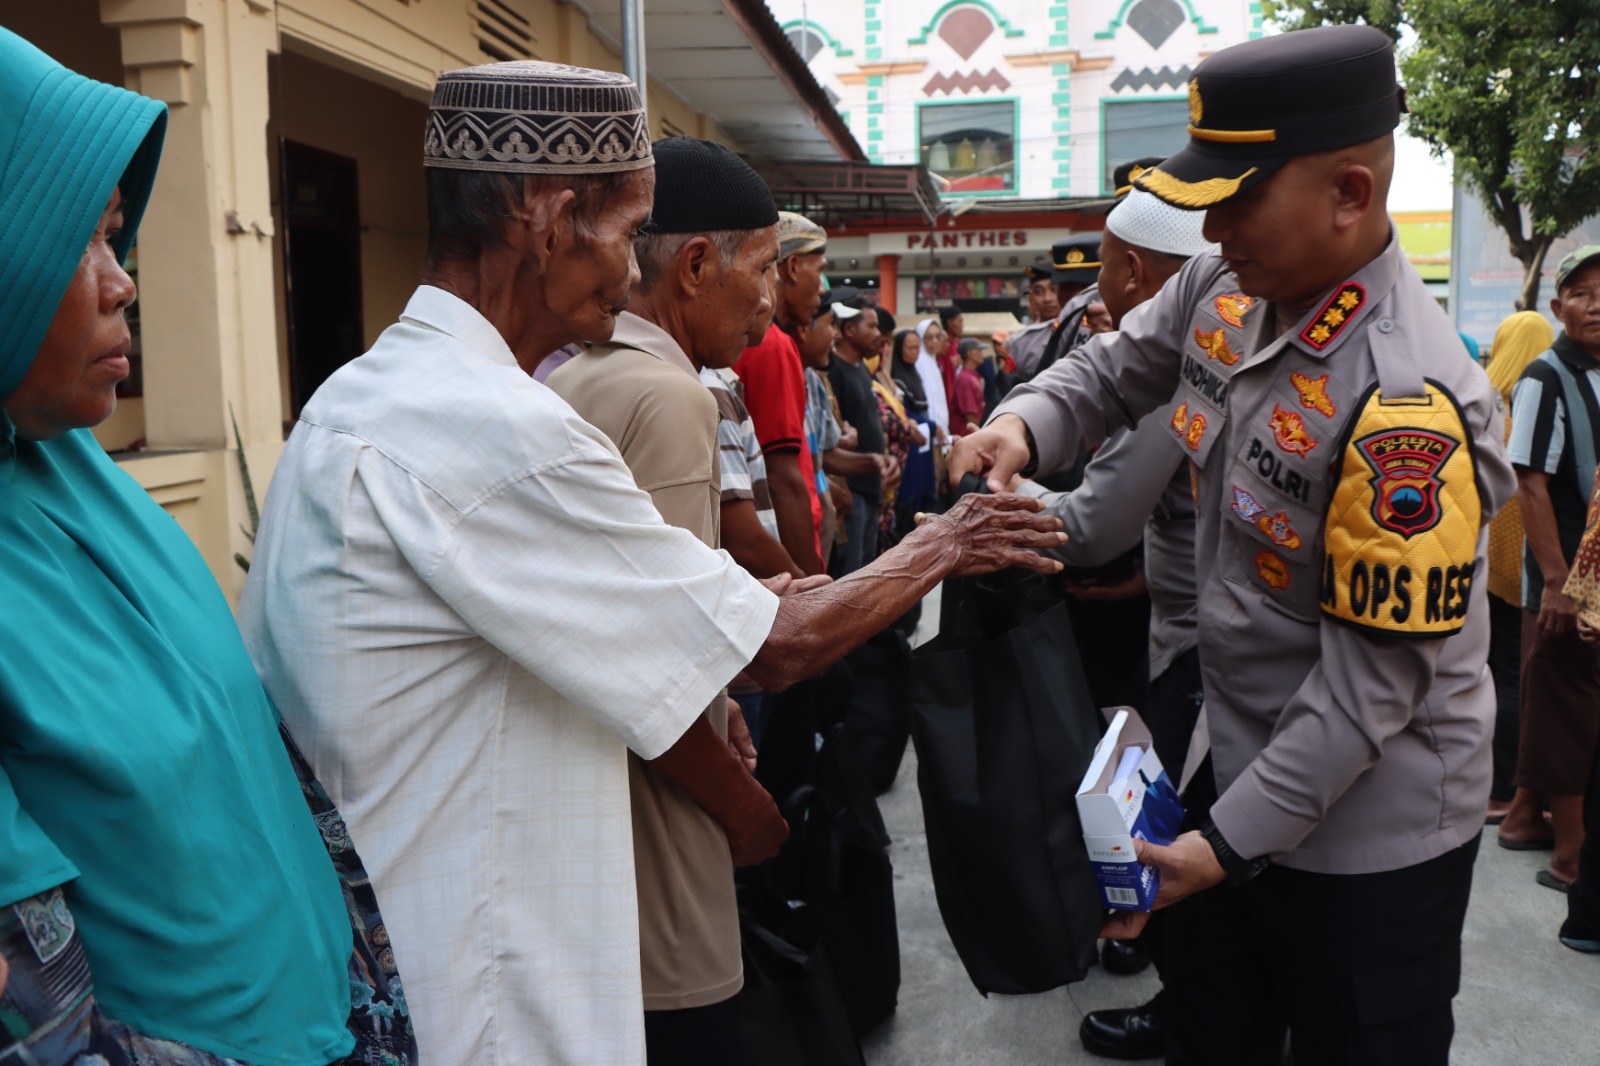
(1238, 868)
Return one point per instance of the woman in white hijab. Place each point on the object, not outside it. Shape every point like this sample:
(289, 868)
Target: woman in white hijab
(933, 339)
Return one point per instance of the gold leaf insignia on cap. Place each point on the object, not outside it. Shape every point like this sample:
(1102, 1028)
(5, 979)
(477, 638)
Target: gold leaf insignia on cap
(1197, 109)
(1075, 256)
(1181, 193)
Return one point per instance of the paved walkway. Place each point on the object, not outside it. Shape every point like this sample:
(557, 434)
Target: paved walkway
(1525, 999)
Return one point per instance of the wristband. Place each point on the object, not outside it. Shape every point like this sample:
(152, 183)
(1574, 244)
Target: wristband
(1238, 869)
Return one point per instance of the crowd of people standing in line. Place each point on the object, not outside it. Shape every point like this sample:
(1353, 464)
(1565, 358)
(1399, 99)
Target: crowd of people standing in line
(516, 641)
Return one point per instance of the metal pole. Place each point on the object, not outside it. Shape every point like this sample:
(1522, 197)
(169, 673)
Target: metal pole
(633, 45)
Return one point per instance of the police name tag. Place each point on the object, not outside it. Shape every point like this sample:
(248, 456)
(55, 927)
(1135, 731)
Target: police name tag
(1402, 528)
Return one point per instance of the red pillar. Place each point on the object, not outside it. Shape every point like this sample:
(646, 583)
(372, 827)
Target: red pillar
(888, 281)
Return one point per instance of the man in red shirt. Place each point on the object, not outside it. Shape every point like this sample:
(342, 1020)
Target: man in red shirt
(966, 402)
(775, 392)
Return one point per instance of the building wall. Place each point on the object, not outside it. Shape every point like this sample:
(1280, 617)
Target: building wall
(348, 76)
(1061, 62)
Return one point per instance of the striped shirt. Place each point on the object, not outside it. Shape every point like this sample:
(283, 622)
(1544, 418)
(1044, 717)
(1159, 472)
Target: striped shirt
(1555, 429)
(744, 471)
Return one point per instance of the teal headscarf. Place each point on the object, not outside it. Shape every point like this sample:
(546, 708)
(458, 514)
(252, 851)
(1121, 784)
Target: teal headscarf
(140, 764)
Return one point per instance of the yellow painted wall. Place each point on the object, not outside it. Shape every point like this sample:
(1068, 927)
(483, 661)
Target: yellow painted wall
(382, 130)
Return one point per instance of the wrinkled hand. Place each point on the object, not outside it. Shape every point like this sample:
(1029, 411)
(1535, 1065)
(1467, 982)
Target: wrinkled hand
(1557, 613)
(999, 449)
(757, 834)
(1187, 865)
(1098, 319)
(990, 533)
(739, 741)
(1588, 633)
(1097, 589)
(789, 585)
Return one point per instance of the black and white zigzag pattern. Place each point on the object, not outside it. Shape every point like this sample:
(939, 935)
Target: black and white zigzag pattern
(1164, 78)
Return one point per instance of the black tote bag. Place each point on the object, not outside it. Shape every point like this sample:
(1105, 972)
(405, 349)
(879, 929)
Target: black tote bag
(1004, 728)
(791, 1010)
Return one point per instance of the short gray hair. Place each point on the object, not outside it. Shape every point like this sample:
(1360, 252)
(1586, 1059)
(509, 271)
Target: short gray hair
(657, 251)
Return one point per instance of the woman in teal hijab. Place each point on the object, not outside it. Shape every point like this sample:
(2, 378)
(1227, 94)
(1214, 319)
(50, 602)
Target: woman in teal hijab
(169, 891)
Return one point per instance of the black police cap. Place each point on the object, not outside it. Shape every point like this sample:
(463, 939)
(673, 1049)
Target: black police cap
(1039, 270)
(1122, 176)
(1076, 260)
(1256, 105)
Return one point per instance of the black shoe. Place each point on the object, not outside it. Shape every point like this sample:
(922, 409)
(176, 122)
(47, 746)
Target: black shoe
(1124, 957)
(1125, 1033)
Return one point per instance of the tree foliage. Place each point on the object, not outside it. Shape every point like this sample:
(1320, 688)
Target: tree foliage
(1511, 89)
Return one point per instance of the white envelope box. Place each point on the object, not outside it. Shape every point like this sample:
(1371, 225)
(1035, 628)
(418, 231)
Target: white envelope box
(1126, 796)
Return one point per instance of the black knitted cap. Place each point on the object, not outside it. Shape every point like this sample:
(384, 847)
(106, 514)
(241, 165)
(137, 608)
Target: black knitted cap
(702, 187)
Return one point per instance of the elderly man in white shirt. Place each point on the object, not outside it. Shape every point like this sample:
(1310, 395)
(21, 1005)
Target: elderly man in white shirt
(468, 612)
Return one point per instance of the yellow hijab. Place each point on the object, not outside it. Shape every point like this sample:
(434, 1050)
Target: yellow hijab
(1518, 341)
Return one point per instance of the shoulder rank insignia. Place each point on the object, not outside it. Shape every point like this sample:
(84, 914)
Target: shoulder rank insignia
(1402, 530)
(1313, 393)
(1289, 430)
(1180, 419)
(1273, 570)
(1215, 345)
(1334, 316)
(1233, 307)
(1196, 432)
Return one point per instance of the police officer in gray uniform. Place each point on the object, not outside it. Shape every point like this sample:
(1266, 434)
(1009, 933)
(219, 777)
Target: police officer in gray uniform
(1347, 462)
(1026, 345)
(1136, 487)
(1074, 268)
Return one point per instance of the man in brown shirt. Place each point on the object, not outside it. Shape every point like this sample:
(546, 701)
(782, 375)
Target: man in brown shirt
(700, 291)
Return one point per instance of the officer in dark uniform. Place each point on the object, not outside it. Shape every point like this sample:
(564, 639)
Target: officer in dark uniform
(1347, 461)
(1075, 267)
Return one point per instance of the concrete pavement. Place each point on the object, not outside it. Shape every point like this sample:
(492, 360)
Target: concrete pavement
(1525, 999)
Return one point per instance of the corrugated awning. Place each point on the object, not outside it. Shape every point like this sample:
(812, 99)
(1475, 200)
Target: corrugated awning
(730, 60)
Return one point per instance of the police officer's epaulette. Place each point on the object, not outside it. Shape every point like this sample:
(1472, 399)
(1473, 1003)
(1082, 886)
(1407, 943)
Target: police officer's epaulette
(1402, 527)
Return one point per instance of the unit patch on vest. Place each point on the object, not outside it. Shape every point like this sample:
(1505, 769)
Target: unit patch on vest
(1215, 345)
(1313, 393)
(1276, 526)
(1180, 419)
(1402, 529)
(1334, 316)
(1196, 432)
(1273, 570)
(1233, 307)
(1289, 431)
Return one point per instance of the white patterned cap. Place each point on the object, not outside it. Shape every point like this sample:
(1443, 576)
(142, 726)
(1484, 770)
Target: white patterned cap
(531, 117)
(1144, 220)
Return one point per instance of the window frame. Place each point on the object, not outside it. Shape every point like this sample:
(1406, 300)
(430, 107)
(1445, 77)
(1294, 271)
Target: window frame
(1102, 173)
(1016, 139)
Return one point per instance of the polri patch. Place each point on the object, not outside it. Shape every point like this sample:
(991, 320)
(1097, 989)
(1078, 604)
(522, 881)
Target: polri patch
(1313, 393)
(1289, 432)
(1402, 527)
(1334, 316)
(1196, 432)
(1232, 307)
